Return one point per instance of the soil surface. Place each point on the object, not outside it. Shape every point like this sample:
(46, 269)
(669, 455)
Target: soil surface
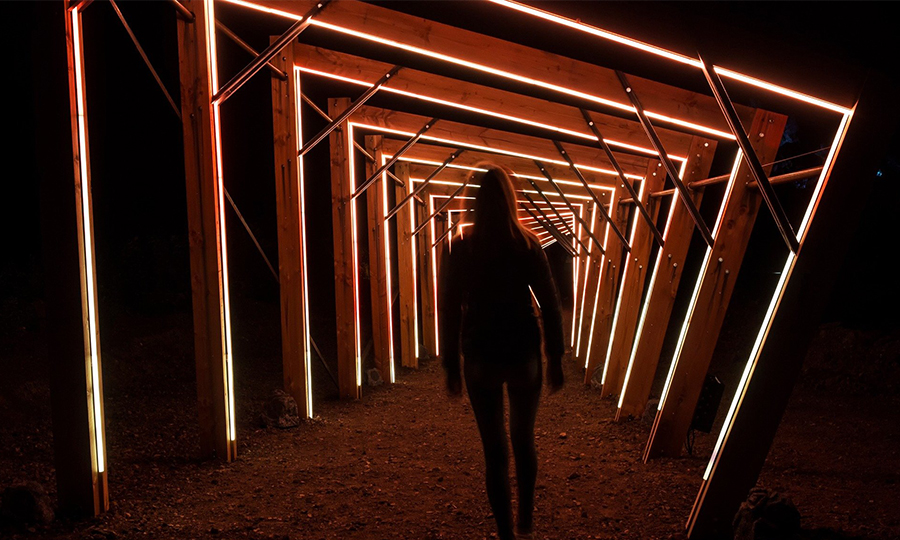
(405, 461)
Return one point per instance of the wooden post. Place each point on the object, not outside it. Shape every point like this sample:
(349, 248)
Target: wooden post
(346, 292)
(290, 215)
(667, 270)
(605, 293)
(795, 311)
(206, 229)
(633, 279)
(70, 277)
(426, 283)
(406, 265)
(589, 271)
(718, 275)
(379, 272)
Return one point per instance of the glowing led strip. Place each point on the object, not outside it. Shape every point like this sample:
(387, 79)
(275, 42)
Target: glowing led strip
(575, 277)
(355, 258)
(486, 112)
(307, 354)
(437, 343)
(387, 267)
(212, 54)
(677, 57)
(415, 274)
(587, 271)
(587, 356)
(786, 272)
(84, 193)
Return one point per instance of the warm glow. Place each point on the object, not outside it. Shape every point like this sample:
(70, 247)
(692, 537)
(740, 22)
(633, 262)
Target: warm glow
(355, 258)
(387, 267)
(437, 343)
(603, 261)
(307, 353)
(587, 273)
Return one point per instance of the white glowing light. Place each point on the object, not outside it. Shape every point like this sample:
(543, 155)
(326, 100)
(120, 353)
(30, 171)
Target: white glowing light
(587, 355)
(587, 272)
(387, 268)
(307, 354)
(355, 259)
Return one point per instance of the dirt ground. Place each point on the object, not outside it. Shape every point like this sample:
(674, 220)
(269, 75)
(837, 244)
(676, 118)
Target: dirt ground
(405, 463)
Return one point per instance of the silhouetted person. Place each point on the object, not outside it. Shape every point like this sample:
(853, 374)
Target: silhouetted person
(486, 309)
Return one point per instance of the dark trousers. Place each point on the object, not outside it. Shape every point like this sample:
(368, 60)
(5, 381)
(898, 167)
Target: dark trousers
(484, 382)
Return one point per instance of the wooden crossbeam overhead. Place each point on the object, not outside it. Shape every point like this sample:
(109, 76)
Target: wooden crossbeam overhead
(491, 140)
(555, 118)
(709, 303)
(660, 300)
(379, 277)
(636, 268)
(530, 70)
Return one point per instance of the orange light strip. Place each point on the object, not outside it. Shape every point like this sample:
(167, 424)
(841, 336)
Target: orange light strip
(304, 296)
(212, 55)
(88, 272)
(487, 112)
(671, 55)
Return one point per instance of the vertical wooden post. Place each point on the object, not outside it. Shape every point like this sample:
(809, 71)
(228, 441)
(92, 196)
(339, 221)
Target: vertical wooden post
(426, 283)
(633, 280)
(406, 265)
(71, 285)
(605, 294)
(379, 273)
(346, 286)
(590, 270)
(660, 300)
(291, 218)
(206, 230)
(718, 275)
(794, 313)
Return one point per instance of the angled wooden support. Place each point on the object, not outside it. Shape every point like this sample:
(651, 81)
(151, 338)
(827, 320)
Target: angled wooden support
(664, 158)
(622, 179)
(206, 227)
(660, 299)
(263, 58)
(183, 12)
(346, 266)
(379, 260)
(548, 225)
(338, 120)
(555, 210)
(277, 72)
(406, 272)
(795, 310)
(712, 292)
(572, 208)
(607, 288)
(397, 155)
(290, 200)
(753, 162)
(67, 239)
(412, 193)
(634, 278)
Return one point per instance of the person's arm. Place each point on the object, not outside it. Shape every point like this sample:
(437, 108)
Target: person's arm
(547, 295)
(449, 315)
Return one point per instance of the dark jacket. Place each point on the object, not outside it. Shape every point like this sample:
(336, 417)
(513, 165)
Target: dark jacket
(485, 306)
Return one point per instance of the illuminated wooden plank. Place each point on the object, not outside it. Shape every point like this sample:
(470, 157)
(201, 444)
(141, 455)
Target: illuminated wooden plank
(590, 273)
(406, 272)
(379, 280)
(68, 250)
(206, 226)
(531, 70)
(290, 216)
(633, 278)
(669, 265)
(345, 264)
(426, 292)
(794, 312)
(712, 293)
(489, 104)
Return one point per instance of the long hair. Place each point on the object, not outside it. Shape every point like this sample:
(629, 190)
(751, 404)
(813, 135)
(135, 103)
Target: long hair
(496, 224)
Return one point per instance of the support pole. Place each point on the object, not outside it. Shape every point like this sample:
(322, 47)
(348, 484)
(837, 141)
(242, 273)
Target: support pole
(290, 207)
(426, 291)
(712, 293)
(379, 255)
(206, 228)
(397, 155)
(588, 290)
(406, 271)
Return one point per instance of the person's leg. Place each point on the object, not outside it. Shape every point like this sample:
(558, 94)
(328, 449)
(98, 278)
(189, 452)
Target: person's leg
(485, 388)
(524, 395)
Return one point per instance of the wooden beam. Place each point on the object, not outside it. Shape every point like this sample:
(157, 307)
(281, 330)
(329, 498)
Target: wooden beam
(660, 299)
(718, 275)
(206, 229)
(406, 272)
(346, 283)
(589, 271)
(634, 278)
(290, 214)
(795, 311)
(605, 295)
(488, 103)
(426, 292)
(379, 277)
(468, 136)
(569, 76)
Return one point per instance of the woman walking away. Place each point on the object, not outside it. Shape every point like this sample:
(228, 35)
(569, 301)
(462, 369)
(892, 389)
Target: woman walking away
(487, 286)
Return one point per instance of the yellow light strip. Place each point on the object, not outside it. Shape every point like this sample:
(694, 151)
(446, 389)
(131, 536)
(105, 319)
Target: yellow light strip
(487, 112)
(84, 194)
(671, 55)
(307, 353)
